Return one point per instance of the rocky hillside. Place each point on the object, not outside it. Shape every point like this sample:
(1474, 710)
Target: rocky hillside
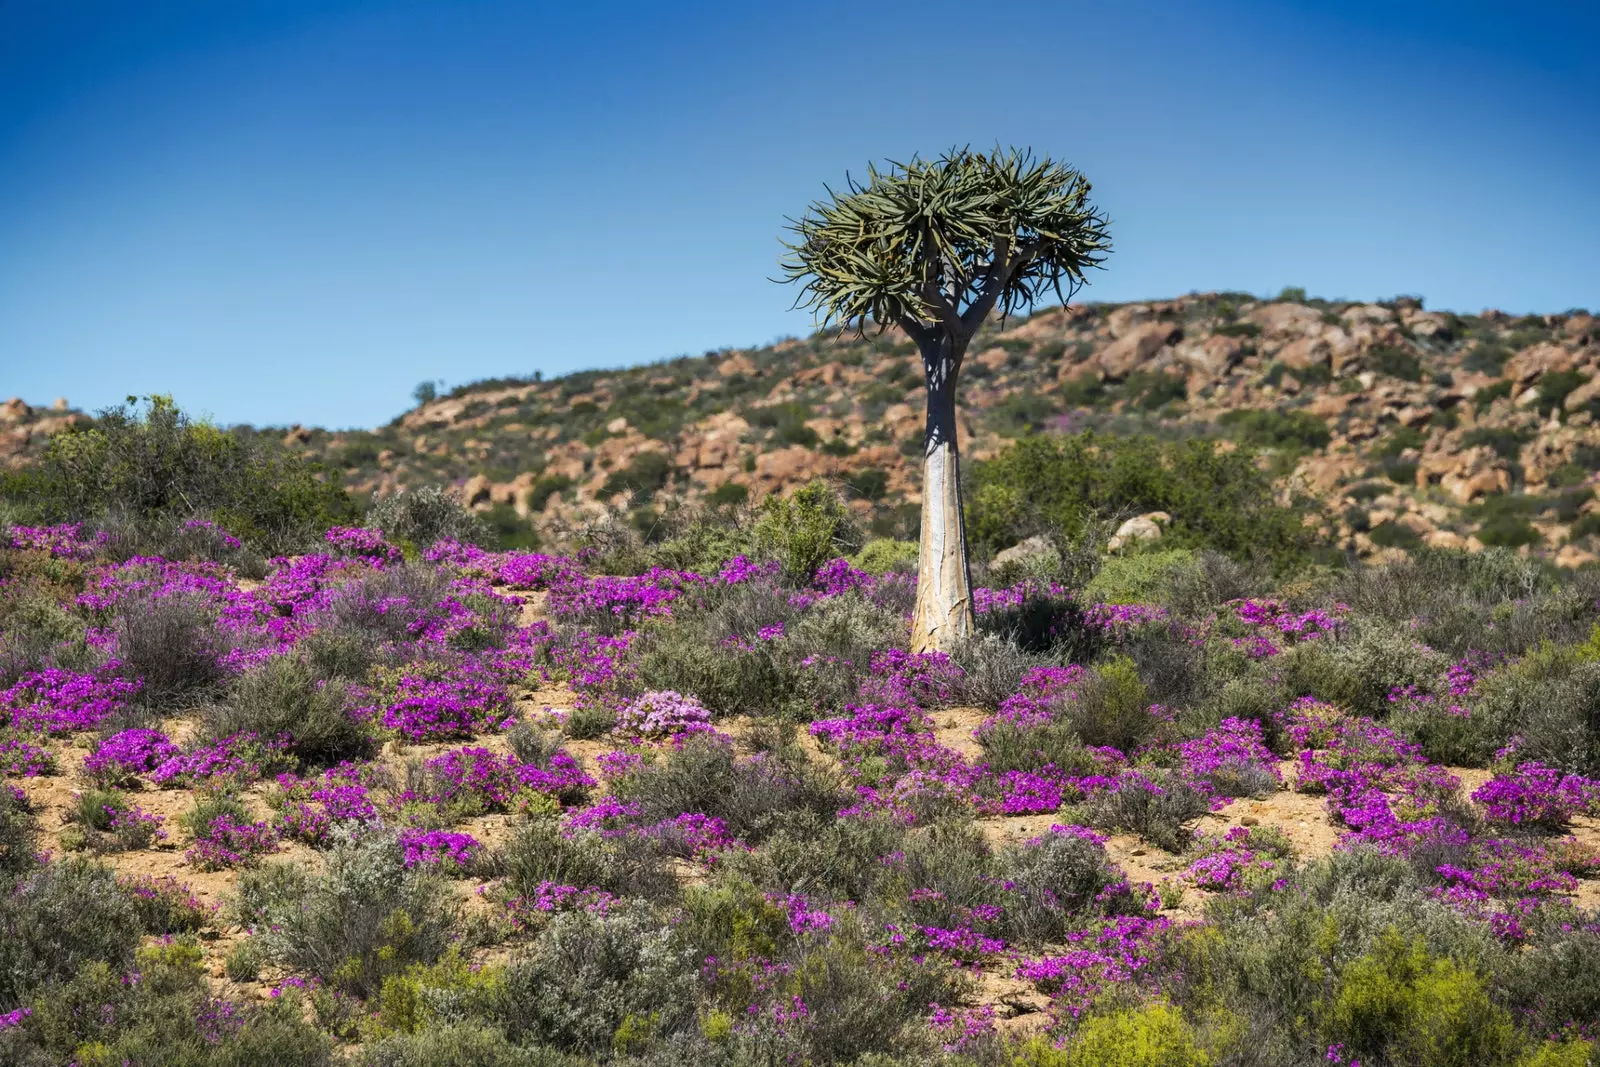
(1411, 426)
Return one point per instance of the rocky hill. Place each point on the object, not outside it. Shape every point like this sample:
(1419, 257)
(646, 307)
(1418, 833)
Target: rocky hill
(1411, 426)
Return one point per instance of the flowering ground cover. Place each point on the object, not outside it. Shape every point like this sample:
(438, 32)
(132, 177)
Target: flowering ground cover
(366, 802)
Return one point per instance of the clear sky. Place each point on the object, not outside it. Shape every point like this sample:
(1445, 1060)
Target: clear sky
(282, 211)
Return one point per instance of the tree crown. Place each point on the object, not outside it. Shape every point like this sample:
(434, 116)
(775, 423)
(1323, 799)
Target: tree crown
(934, 246)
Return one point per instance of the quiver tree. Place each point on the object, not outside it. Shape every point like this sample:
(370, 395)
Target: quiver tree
(934, 248)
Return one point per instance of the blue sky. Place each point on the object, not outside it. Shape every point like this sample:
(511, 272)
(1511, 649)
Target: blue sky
(282, 211)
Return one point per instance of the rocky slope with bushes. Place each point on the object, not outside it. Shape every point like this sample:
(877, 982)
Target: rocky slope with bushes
(1398, 426)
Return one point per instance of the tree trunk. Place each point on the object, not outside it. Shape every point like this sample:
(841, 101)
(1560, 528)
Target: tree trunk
(944, 582)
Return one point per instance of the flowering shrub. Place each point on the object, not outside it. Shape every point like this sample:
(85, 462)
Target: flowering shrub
(129, 753)
(465, 701)
(1535, 795)
(433, 848)
(239, 758)
(226, 842)
(364, 544)
(56, 701)
(472, 780)
(663, 713)
(1231, 759)
(23, 759)
(64, 540)
(311, 807)
(165, 905)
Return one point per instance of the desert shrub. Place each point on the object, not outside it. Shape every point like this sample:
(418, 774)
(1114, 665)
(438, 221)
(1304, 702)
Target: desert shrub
(1154, 806)
(545, 488)
(170, 537)
(590, 972)
(1271, 428)
(1219, 500)
(173, 644)
(1397, 363)
(882, 555)
(458, 1044)
(1045, 622)
(644, 477)
(729, 494)
(1554, 985)
(805, 530)
(749, 793)
(1555, 385)
(1400, 1004)
(431, 995)
(165, 1017)
(18, 834)
(59, 919)
(992, 667)
(1154, 1035)
(284, 697)
(1554, 707)
(859, 1003)
(1139, 578)
(626, 865)
(419, 517)
(702, 542)
(1213, 580)
(365, 917)
(107, 821)
(1506, 441)
(160, 464)
(1113, 707)
(1053, 883)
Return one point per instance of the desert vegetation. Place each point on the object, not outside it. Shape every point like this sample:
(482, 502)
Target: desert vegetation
(376, 788)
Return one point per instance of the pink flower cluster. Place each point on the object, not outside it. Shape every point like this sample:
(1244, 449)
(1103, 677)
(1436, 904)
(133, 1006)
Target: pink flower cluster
(227, 843)
(434, 848)
(1114, 952)
(64, 540)
(23, 759)
(312, 806)
(663, 713)
(129, 753)
(1535, 795)
(487, 782)
(364, 544)
(56, 701)
(238, 758)
(466, 701)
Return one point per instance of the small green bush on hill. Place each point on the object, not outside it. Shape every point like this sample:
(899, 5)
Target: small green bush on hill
(1217, 499)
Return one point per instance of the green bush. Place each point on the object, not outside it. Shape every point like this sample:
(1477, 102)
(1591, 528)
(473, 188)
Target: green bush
(1397, 363)
(1113, 707)
(1155, 1035)
(545, 488)
(161, 465)
(285, 697)
(805, 530)
(1140, 578)
(419, 517)
(1217, 499)
(173, 644)
(18, 834)
(588, 973)
(366, 917)
(729, 494)
(459, 1044)
(644, 477)
(1272, 428)
(1402, 1005)
(882, 555)
(59, 919)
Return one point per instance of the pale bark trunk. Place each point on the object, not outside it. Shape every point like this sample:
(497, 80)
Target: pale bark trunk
(944, 582)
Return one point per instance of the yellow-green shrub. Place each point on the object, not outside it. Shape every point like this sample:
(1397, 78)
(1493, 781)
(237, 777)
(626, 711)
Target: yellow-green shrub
(1155, 1035)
